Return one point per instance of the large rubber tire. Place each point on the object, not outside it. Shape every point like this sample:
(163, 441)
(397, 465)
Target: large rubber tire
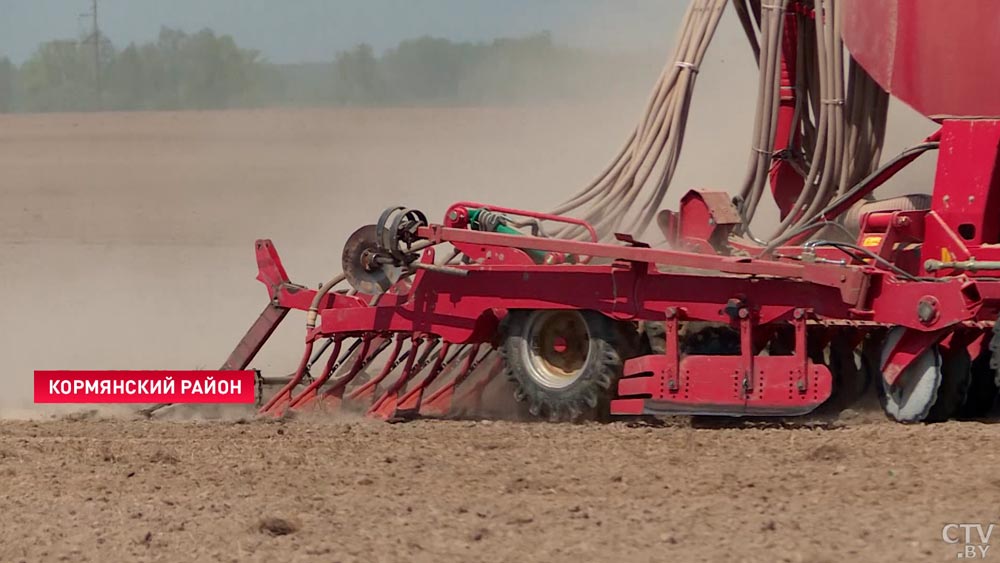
(852, 376)
(695, 339)
(982, 398)
(956, 376)
(586, 390)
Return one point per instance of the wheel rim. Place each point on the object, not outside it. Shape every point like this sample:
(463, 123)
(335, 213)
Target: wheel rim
(557, 346)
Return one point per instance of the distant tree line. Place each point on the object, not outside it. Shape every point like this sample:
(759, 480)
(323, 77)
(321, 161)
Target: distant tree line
(205, 70)
(177, 71)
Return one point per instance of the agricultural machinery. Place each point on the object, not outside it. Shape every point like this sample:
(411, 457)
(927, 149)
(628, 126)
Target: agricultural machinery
(727, 315)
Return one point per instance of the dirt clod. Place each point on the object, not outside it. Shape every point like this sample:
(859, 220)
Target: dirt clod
(80, 415)
(275, 526)
(164, 457)
(827, 452)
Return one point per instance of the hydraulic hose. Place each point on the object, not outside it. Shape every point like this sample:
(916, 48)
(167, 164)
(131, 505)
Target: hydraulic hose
(320, 294)
(837, 131)
(630, 190)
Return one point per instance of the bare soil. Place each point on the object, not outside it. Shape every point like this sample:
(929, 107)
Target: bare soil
(324, 490)
(126, 242)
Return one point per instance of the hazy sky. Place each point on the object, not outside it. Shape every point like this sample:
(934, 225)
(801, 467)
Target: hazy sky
(314, 30)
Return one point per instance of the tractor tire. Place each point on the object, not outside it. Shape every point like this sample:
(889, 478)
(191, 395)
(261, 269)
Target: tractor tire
(656, 337)
(956, 376)
(982, 396)
(852, 374)
(564, 364)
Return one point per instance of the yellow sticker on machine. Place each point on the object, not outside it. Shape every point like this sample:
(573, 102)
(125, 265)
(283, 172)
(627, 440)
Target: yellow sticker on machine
(872, 241)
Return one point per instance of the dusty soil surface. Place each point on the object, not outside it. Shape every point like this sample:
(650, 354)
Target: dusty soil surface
(322, 490)
(126, 242)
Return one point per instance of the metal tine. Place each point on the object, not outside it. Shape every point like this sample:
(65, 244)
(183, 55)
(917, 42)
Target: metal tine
(395, 358)
(457, 358)
(279, 402)
(380, 343)
(439, 403)
(296, 379)
(319, 354)
(426, 357)
(385, 405)
(411, 361)
(411, 356)
(328, 396)
(331, 364)
(336, 391)
(410, 403)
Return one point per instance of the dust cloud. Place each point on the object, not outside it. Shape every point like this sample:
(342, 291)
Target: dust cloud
(126, 239)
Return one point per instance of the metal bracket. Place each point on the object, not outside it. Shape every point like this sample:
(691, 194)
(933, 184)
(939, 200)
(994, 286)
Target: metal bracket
(671, 339)
(802, 375)
(746, 351)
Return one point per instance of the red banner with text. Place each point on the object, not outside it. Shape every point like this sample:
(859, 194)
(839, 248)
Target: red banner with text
(92, 387)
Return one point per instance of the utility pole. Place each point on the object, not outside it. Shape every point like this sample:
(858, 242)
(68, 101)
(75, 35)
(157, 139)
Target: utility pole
(95, 37)
(97, 53)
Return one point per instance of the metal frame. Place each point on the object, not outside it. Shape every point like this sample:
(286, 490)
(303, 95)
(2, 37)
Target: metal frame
(935, 272)
(633, 282)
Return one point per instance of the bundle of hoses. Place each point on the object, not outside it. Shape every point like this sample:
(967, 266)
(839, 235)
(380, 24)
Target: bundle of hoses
(610, 201)
(841, 126)
(837, 133)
